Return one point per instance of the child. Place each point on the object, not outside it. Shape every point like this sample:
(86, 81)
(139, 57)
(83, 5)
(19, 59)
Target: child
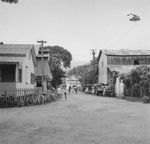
(69, 89)
(65, 92)
(59, 91)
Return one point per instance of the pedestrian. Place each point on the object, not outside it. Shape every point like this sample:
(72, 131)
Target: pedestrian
(86, 90)
(59, 91)
(75, 89)
(64, 91)
(92, 90)
(69, 89)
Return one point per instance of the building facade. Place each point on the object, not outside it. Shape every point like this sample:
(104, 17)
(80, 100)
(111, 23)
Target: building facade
(43, 68)
(17, 66)
(120, 61)
(72, 81)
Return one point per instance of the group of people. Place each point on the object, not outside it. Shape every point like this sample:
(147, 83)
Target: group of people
(62, 90)
(73, 89)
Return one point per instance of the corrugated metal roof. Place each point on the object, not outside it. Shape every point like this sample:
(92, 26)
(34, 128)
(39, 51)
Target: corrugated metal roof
(121, 68)
(15, 48)
(126, 52)
(16, 52)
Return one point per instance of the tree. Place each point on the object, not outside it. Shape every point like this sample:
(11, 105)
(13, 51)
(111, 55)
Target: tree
(59, 58)
(138, 78)
(58, 74)
(88, 73)
(10, 1)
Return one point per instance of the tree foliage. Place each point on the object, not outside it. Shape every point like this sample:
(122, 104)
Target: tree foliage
(59, 57)
(138, 78)
(58, 74)
(10, 1)
(88, 73)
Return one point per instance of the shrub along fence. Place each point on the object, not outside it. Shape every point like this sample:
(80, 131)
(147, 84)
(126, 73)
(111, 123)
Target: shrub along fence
(137, 93)
(25, 97)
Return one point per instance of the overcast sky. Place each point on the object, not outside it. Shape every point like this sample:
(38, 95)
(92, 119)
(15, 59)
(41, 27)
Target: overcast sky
(77, 25)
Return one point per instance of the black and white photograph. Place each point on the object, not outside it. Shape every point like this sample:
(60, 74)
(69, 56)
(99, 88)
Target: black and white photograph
(74, 71)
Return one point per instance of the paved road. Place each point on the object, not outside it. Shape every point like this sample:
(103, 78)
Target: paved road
(81, 119)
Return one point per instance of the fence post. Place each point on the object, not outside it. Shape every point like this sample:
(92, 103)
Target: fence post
(5, 93)
(131, 91)
(141, 95)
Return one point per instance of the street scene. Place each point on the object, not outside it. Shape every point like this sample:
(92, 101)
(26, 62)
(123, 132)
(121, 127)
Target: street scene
(74, 72)
(82, 119)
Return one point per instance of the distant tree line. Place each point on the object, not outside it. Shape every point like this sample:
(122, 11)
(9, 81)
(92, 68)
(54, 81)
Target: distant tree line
(88, 73)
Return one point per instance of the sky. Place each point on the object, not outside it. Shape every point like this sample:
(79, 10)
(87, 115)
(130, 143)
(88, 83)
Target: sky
(77, 25)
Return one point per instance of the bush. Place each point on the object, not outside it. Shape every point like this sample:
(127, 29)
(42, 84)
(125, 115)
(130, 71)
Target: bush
(146, 99)
(136, 90)
(109, 91)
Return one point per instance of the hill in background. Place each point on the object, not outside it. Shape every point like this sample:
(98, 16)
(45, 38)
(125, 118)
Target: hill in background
(78, 63)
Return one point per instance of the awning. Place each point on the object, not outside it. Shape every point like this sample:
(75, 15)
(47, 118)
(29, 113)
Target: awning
(121, 68)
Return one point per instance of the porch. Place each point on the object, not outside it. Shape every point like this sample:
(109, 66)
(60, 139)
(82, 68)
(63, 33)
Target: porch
(10, 76)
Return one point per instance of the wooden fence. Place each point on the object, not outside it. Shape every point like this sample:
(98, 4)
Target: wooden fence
(26, 97)
(19, 92)
(19, 97)
(138, 92)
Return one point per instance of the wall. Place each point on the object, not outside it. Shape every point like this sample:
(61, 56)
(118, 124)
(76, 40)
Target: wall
(27, 69)
(102, 66)
(71, 81)
(27, 66)
(119, 88)
(46, 68)
(128, 60)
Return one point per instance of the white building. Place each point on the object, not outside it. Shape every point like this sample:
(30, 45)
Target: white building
(17, 66)
(72, 81)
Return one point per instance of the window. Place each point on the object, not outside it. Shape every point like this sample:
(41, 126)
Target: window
(136, 62)
(19, 75)
(32, 78)
(26, 75)
(39, 84)
(29, 55)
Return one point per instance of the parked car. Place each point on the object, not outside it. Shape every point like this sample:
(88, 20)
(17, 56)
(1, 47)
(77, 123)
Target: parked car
(109, 90)
(98, 89)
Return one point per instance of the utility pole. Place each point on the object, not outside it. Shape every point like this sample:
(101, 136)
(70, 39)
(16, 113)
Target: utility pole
(93, 54)
(42, 43)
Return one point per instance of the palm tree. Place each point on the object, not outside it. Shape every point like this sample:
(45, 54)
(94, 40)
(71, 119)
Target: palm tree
(10, 1)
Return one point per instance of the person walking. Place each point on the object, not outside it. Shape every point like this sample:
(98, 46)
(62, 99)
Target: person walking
(76, 89)
(69, 89)
(64, 91)
(59, 91)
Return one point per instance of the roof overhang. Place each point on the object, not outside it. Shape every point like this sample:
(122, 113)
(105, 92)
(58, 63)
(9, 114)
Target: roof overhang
(121, 68)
